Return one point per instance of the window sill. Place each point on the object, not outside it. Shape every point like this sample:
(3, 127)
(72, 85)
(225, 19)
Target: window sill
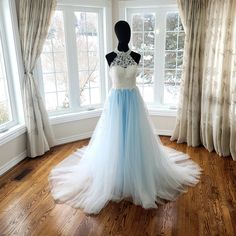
(12, 133)
(162, 111)
(70, 117)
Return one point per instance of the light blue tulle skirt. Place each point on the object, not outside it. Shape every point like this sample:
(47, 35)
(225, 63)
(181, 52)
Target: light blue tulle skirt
(124, 160)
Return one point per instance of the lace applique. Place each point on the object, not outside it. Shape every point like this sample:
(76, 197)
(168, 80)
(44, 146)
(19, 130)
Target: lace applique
(123, 59)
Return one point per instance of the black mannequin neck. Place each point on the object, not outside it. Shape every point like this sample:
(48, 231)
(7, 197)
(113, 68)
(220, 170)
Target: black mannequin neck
(123, 47)
(123, 33)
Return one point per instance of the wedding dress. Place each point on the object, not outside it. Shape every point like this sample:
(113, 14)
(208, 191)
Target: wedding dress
(124, 159)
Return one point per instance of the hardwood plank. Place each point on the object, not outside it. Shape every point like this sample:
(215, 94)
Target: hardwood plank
(27, 207)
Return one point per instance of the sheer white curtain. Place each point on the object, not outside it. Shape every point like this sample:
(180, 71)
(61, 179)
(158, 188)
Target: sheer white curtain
(205, 113)
(34, 19)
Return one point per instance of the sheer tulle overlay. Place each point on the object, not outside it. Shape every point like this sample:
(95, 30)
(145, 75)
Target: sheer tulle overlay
(124, 159)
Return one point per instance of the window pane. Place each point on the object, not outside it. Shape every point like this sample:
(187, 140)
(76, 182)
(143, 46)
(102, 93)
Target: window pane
(170, 76)
(148, 93)
(171, 41)
(47, 63)
(173, 57)
(143, 42)
(149, 22)
(140, 77)
(94, 79)
(149, 40)
(51, 101)
(181, 28)
(170, 60)
(181, 37)
(137, 22)
(83, 80)
(87, 40)
(5, 108)
(171, 93)
(84, 97)
(61, 82)
(59, 64)
(93, 61)
(148, 59)
(148, 75)
(54, 65)
(95, 95)
(172, 22)
(171, 87)
(137, 41)
(49, 82)
(82, 60)
(179, 59)
(62, 100)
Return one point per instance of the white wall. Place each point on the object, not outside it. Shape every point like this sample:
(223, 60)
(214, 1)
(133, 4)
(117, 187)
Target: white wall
(76, 130)
(12, 153)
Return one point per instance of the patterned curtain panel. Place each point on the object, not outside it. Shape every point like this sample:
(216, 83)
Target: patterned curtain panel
(34, 18)
(206, 112)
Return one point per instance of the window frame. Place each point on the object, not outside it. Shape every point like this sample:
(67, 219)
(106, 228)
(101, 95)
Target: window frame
(71, 55)
(160, 10)
(9, 74)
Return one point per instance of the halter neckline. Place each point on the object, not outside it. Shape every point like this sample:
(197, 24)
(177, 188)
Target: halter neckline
(119, 52)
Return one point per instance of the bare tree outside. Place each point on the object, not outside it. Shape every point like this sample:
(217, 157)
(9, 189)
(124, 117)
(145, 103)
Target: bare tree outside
(54, 66)
(54, 61)
(87, 41)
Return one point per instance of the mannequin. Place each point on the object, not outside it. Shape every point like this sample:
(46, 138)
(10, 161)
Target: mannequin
(123, 33)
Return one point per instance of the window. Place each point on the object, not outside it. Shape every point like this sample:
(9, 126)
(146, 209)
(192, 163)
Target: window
(87, 42)
(158, 35)
(54, 66)
(143, 41)
(70, 64)
(174, 46)
(7, 110)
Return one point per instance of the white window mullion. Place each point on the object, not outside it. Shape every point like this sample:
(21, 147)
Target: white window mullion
(101, 55)
(160, 60)
(71, 52)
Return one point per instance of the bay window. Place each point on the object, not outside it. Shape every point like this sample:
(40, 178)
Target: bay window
(71, 64)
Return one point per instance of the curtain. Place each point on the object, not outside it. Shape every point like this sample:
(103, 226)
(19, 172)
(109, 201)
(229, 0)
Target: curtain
(188, 118)
(206, 111)
(34, 19)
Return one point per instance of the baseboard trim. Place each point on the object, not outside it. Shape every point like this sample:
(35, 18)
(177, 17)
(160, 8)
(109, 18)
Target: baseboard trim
(12, 163)
(165, 132)
(73, 138)
(78, 137)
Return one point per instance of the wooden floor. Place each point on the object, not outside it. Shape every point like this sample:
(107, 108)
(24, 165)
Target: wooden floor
(27, 208)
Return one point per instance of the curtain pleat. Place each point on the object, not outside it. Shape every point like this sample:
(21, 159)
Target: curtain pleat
(34, 19)
(206, 111)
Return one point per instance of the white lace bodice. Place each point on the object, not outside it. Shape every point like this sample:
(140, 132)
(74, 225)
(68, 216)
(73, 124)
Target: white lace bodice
(123, 71)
